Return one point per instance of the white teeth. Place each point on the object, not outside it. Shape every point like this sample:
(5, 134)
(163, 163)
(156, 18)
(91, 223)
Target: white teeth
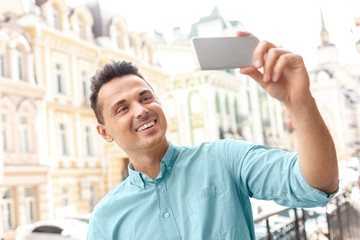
(145, 126)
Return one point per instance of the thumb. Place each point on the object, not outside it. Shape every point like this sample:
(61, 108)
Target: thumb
(254, 74)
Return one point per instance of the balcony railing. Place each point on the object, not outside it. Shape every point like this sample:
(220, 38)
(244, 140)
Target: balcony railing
(340, 220)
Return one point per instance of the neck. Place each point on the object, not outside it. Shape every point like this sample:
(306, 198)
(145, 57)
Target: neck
(149, 161)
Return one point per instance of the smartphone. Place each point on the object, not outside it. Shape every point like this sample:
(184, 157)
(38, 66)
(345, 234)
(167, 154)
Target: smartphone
(214, 53)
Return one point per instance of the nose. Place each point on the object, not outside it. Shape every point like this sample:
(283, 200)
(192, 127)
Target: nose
(140, 110)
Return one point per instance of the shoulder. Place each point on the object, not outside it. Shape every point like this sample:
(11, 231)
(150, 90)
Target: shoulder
(218, 143)
(222, 148)
(111, 198)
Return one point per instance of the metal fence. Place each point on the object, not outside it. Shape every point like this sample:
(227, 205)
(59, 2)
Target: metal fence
(340, 220)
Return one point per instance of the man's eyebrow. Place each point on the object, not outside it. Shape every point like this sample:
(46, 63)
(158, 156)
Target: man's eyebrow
(144, 92)
(115, 105)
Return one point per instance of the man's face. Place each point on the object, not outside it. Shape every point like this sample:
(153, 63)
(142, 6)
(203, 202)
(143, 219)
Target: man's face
(133, 116)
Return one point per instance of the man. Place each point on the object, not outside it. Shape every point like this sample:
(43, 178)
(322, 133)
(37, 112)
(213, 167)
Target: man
(203, 192)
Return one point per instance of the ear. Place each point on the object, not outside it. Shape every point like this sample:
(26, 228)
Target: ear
(102, 132)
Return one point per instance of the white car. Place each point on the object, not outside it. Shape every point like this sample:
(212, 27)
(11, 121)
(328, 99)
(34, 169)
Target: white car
(57, 229)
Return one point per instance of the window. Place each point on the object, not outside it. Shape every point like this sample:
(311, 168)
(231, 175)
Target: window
(218, 104)
(65, 197)
(88, 140)
(237, 114)
(64, 151)
(2, 65)
(30, 207)
(118, 38)
(92, 201)
(227, 105)
(7, 209)
(24, 135)
(80, 28)
(60, 84)
(85, 87)
(20, 61)
(3, 133)
(54, 17)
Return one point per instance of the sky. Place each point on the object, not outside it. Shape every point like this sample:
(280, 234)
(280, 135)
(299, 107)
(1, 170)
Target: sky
(292, 24)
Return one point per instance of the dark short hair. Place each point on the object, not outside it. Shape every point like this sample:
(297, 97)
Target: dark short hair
(104, 75)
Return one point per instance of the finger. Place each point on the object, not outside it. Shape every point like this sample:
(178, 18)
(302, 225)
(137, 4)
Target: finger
(242, 33)
(271, 58)
(286, 60)
(254, 74)
(260, 53)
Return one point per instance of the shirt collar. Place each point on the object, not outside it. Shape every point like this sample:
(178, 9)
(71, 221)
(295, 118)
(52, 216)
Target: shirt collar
(140, 179)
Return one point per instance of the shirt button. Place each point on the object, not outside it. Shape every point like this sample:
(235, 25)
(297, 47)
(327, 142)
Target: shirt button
(166, 214)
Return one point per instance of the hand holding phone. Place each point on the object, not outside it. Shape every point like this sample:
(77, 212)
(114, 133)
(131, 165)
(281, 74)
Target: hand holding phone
(215, 53)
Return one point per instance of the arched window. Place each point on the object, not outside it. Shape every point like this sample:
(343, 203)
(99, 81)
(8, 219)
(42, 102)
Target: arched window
(118, 38)
(85, 87)
(26, 119)
(80, 28)
(24, 134)
(20, 63)
(82, 21)
(4, 133)
(7, 125)
(54, 17)
(3, 64)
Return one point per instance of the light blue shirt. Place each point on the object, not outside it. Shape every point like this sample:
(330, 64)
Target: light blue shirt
(202, 193)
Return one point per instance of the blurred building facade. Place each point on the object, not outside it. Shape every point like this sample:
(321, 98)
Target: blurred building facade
(336, 89)
(53, 162)
(23, 175)
(206, 105)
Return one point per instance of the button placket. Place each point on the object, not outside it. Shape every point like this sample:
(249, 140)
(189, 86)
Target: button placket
(170, 229)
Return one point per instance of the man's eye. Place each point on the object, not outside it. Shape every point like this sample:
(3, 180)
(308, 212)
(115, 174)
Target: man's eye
(146, 99)
(122, 109)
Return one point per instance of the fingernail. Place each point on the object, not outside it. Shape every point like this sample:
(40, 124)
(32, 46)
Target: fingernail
(274, 77)
(257, 63)
(265, 77)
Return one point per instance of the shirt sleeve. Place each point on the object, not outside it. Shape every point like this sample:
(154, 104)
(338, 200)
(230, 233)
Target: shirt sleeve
(271, 174)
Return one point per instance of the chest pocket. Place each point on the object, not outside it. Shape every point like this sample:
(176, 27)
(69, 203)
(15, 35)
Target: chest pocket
(211, 213)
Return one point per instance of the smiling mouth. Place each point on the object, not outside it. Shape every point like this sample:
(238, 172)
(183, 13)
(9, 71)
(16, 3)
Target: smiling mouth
(146, 126)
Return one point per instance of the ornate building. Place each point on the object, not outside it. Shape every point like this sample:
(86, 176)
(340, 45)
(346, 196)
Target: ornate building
(205, 105)
(336, 89)
(24, 172)
(53, 163)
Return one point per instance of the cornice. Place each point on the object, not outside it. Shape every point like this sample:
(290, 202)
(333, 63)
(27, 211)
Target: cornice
(215, 78)
(18, 88)
(62, 41)
(70, 108)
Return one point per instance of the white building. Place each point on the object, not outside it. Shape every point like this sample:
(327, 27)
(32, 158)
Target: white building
(205, 105)
(336, 89)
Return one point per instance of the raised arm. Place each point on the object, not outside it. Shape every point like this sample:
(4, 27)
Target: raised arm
(285, 78)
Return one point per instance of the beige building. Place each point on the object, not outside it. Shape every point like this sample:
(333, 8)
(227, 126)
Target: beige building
(53, 163)
(24, 173)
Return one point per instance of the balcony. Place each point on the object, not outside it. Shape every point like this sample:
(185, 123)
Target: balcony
(340, 220)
